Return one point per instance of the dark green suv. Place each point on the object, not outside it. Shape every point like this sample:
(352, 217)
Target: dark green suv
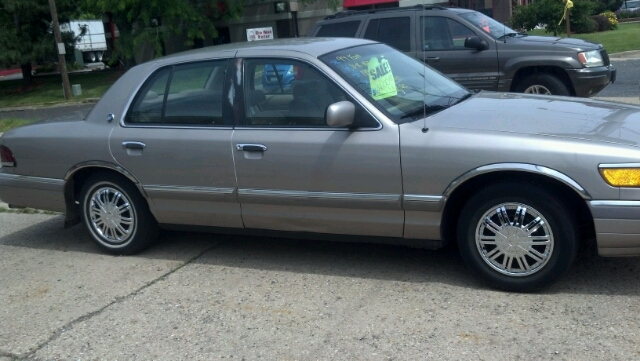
(479, 52)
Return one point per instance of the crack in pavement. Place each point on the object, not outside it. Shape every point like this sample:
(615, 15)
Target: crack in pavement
(30, 355)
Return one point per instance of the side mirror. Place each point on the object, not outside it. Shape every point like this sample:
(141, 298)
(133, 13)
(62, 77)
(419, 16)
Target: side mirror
(340, 114)
(474, 42)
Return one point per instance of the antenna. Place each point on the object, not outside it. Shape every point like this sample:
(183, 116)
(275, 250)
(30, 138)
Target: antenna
(424, 63)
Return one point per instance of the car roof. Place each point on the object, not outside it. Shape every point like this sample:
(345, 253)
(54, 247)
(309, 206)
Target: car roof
(357, 13)
(312, 46)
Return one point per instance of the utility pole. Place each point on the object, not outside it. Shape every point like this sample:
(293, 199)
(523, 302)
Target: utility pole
(61, 51)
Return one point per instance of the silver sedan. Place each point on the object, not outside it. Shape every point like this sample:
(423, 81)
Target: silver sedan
(350, 140)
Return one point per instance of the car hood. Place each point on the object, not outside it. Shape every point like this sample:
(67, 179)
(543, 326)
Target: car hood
(570, 42)
(546, 115)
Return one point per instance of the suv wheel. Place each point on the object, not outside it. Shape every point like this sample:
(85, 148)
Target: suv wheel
(545, 84)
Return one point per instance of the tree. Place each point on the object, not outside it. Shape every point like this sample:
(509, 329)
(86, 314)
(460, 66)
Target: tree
(601, 6)
(142, 22)
(25, 32)
(549, 13)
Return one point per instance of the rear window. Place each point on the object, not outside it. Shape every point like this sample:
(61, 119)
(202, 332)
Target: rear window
(391, 31)
(345, 29)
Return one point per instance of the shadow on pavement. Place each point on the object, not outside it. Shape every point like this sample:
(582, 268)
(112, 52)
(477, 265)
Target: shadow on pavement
(591, 274)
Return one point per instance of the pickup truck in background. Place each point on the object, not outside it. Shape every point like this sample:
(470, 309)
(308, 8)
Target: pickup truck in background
(92, 42)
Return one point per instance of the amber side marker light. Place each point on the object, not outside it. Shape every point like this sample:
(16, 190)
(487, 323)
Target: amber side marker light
(621, 177)
(6, 157)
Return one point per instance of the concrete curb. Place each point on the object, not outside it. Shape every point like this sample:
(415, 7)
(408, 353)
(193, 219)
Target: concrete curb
(633, 54)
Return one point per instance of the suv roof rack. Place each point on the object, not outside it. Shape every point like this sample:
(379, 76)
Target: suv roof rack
(345, 13)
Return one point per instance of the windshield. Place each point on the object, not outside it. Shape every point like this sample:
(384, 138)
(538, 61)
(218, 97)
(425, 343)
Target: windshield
(402, 87)
(487, 24)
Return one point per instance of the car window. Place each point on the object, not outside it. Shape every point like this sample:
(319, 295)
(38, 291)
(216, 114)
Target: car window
(395, 32)
(402, 87)
(287, 93)
(192, 97)
(147, 106)
(440, 33)
(346, 29)
(487, 24)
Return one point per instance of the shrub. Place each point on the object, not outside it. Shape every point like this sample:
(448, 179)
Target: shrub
(626, 14)
(603, 24)
(584, 25)
(613, 19)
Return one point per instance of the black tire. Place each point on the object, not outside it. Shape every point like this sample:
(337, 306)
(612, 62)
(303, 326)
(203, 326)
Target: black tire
(501, 262)
(543, 83)
(127, 231)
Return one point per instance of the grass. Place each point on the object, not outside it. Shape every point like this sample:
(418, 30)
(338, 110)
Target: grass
(625, 38)
(47, 89)
(10, 123)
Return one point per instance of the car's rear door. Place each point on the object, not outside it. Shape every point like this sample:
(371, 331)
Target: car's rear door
(175, 140)
(295, 173)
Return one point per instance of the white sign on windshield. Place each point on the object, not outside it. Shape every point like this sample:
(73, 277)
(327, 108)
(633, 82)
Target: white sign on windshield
(259, 34)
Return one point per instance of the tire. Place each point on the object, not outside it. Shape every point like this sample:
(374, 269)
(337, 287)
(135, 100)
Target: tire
(128, 232)
(543, 83)
(512, 261)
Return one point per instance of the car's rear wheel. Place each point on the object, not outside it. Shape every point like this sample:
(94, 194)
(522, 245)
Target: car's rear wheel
(116, 215)
(543, 83)
(517, 237)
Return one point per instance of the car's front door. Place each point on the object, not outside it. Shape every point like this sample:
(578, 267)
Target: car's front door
(442, 47)
(176, 142)
(295, 173)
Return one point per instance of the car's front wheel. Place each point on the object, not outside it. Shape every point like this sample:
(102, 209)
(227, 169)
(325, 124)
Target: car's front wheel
(116, 215)
(546, 84)
(517, 237)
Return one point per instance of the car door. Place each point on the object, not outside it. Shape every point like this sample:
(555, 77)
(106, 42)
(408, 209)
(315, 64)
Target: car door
(295, 173)
(441, 46)
(176, 142)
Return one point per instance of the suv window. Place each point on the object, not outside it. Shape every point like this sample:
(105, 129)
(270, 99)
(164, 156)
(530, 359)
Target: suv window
(440, 33)
(345, 29)
(186, 94)
(391, 31)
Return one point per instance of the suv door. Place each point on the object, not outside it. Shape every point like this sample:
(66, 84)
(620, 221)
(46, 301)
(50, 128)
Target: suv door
(441, 46)
(295, 173)
(176, 142)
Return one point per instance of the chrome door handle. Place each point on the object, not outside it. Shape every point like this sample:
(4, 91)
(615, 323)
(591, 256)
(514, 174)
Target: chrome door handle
(251, 147)
(432, 59)
(133, 145)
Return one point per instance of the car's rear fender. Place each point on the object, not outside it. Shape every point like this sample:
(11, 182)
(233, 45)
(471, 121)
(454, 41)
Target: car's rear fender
(75, 178)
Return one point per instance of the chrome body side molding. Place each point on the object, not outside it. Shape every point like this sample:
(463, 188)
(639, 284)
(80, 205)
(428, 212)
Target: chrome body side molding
(321, 199)
(188, 193)
(418, 202)
(522, 167)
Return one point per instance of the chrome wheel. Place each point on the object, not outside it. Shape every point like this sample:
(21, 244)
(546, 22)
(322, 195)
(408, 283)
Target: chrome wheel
(111, 215)
(514, 239)
(537, 89)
